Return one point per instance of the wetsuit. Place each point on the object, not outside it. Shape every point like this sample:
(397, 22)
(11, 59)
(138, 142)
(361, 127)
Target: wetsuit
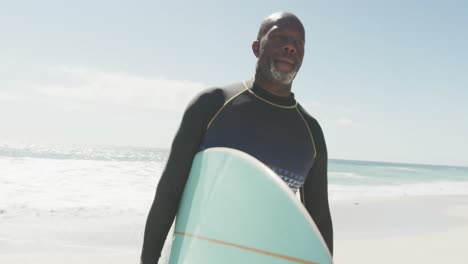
(275, 130)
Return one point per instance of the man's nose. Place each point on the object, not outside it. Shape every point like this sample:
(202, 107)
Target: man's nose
(289, 48)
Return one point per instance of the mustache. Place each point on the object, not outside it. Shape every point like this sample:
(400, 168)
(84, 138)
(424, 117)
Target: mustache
(295, 66)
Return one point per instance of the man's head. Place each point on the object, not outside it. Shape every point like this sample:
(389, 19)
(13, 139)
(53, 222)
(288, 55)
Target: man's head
(279, 47)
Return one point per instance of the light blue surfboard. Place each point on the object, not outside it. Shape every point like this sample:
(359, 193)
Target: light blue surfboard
(237, 210)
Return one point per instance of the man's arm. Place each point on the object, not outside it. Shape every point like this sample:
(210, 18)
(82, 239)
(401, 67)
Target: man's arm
(174, 177)
(316, 188)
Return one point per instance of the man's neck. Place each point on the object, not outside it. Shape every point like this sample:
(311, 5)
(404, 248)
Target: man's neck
(273, 87)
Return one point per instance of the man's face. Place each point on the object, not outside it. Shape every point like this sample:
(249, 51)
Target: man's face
(281, 51)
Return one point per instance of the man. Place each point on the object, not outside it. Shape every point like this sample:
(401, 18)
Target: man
(260, 117)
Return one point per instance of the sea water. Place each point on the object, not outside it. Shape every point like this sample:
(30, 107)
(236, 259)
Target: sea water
(34, 177)
(89, 182)
(365, 179)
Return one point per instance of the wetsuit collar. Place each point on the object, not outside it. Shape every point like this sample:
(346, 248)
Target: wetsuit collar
(284, 101)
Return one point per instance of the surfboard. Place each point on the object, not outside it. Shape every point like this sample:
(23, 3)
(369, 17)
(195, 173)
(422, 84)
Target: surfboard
(235, 209)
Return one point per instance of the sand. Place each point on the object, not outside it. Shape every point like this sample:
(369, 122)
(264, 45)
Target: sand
(405, 230)
(71, 237)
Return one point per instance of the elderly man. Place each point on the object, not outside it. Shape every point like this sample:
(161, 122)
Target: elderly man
(260, 117)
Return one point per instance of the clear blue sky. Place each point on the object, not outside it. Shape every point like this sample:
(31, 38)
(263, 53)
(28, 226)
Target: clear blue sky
(387, 80)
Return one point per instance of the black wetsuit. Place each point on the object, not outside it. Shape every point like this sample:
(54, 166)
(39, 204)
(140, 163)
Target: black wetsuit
(275, 130)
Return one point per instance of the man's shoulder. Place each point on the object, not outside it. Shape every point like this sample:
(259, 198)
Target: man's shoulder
(220, 93)
(308, 117)
(210, 100)
(315, 128)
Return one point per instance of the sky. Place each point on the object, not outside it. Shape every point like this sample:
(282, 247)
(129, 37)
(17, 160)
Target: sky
(387, 80)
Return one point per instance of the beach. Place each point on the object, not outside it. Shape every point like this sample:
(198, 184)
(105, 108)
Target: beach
(78, 207)
(412, 230)
(406, 230)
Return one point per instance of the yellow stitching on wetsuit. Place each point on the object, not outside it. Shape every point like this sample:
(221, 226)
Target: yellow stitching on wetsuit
(266, 101)
(227, 102)
(310, 133)
(287, 107)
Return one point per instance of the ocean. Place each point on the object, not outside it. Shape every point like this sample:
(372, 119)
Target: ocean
(82, 178)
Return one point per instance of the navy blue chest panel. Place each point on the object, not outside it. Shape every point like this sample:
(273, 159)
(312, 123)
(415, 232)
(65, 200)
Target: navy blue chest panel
(277, 136)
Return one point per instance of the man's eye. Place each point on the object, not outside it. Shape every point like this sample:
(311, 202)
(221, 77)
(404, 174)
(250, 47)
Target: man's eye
(299, 42)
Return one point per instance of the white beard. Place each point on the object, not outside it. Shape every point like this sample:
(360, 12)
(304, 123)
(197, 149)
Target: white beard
(283, 77)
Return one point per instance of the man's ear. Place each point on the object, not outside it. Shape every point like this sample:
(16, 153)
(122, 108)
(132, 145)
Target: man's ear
(256, 48)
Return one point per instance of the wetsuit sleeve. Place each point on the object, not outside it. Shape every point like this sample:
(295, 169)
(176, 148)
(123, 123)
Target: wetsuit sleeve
(316, 188)
(174, 176)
